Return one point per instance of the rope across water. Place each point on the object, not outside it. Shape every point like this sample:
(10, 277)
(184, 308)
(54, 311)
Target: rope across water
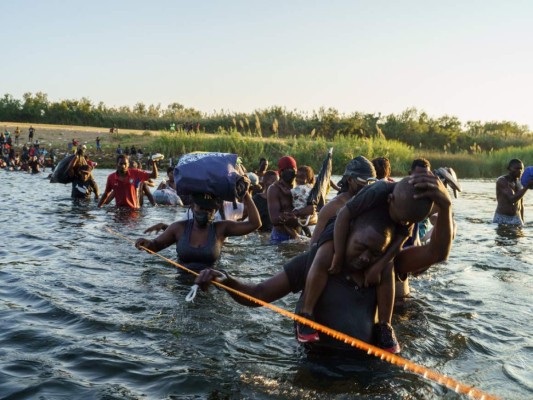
(407, 365)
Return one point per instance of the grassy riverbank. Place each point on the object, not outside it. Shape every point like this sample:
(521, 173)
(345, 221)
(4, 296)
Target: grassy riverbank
(306, 150)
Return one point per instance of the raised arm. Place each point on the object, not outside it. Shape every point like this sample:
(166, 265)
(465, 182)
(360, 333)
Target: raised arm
(73, 164)
(419, 258)
(154, 174)
(502, 186)
(239, 228)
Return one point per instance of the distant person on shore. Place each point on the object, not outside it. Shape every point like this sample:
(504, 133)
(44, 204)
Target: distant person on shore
(118, 151)
(35, 166)
(125, 183)
(31, 132)
(17, 135)
(509, 195)
(98, 146)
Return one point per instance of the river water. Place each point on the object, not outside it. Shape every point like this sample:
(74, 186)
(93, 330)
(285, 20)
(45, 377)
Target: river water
(85, 315)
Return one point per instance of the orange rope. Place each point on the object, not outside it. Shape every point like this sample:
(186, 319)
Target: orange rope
(407, 365)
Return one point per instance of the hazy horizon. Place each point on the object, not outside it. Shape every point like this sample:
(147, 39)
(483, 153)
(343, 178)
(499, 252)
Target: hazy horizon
(468, 60)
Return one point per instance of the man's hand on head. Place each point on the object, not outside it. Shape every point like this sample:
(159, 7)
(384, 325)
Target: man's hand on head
(432, 188)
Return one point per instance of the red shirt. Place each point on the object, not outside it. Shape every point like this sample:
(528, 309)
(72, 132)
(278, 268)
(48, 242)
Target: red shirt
(125, 188)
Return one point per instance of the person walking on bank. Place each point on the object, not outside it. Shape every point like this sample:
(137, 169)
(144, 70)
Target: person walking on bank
(31, 132)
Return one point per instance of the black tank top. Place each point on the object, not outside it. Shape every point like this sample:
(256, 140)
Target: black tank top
(198, 258)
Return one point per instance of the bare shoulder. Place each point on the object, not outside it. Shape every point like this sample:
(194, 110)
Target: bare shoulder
(178, 226)
(274, 188)
(335, 205)
(502, 181)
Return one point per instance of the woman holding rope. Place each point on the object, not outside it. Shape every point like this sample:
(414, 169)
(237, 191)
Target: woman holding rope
(199, 240)
(346, 305)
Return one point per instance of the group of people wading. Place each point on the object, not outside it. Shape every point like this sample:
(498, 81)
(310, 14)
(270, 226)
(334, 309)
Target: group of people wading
(365, 243)
(369, 221)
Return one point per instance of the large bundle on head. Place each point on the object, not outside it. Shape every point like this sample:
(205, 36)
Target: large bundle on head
(167, 197)
(219, 174)
(60, 174)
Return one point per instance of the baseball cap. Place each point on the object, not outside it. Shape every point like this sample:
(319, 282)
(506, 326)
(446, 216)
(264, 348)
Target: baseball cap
(254, 179)
(360, 168)
(286, 163)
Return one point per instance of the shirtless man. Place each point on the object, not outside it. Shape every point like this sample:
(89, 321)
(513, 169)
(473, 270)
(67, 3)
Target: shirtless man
(279, 197)
(509, 194)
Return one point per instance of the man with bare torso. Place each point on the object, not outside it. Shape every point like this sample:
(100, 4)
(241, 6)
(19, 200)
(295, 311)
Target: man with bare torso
(283, 216)
(509, 194)
(279, 197)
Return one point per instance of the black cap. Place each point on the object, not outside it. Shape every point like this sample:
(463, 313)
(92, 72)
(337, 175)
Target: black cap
(360, 167)
(205, 200)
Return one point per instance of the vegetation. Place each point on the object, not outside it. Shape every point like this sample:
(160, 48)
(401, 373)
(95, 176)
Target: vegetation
(312, 152)
(473, 149)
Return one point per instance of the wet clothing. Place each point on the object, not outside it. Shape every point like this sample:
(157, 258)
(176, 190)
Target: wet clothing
(507, 219)
(83, 190)
(262, 206)
(198, 258)
(343, 305)
(126, 189)
(376, 196)
(277, 237)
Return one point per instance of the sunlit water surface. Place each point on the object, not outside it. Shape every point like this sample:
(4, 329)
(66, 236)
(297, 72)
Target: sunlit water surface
(85, 315)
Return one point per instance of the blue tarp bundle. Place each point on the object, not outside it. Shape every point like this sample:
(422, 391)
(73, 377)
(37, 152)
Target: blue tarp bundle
(528, 174)
(216, 173)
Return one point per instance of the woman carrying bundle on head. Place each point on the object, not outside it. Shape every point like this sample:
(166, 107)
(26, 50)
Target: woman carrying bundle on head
(199, 240)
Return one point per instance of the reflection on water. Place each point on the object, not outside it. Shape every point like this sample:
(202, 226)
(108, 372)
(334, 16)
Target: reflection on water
(508, 235)
(86, 315)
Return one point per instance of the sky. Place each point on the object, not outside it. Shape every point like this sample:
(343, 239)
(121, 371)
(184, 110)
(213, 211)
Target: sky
(471, 59)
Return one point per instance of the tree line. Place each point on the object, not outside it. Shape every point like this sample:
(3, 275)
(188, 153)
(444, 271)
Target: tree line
(412, 127)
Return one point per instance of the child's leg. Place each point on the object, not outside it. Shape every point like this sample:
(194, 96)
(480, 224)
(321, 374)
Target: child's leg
(317, 277)
(314, 285)
(385, 296)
